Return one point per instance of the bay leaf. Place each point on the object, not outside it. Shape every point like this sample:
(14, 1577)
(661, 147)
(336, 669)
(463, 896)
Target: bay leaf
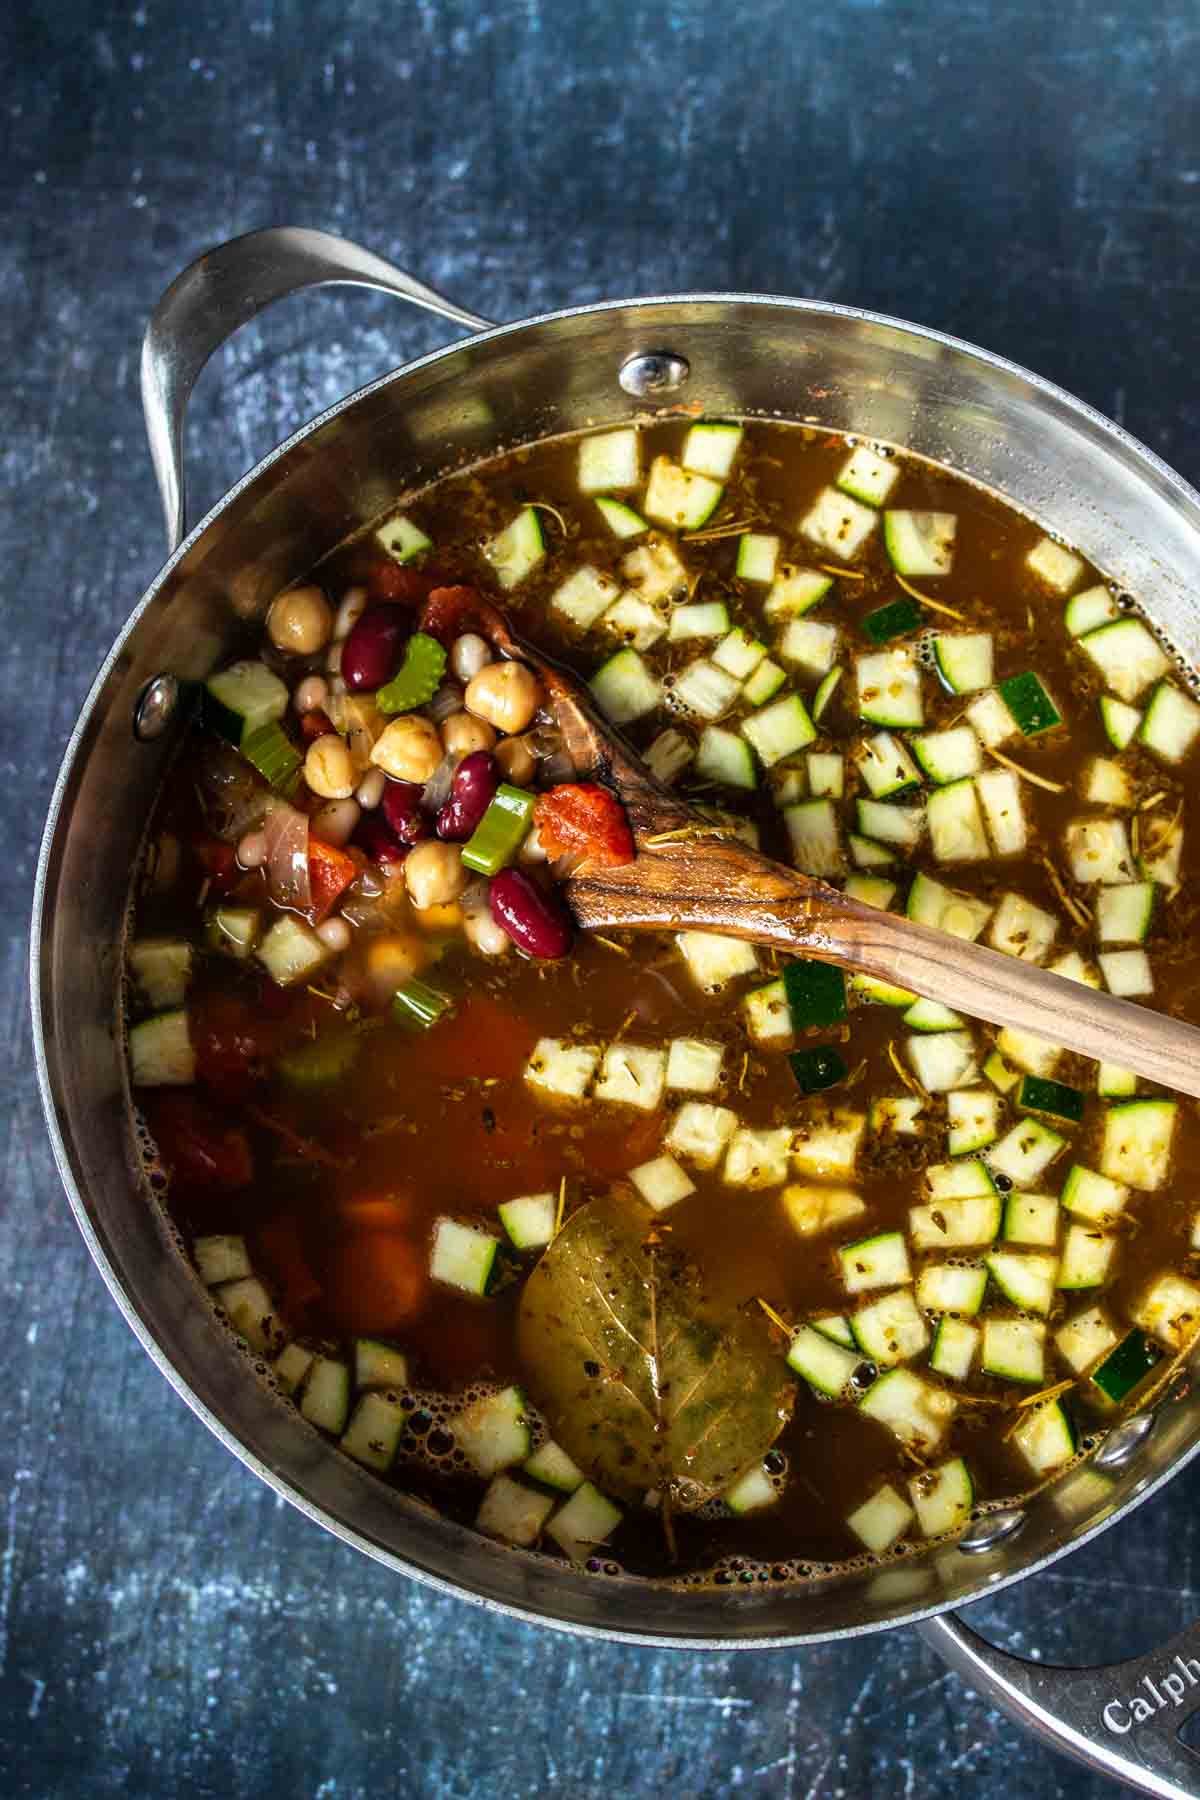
(644, 1382)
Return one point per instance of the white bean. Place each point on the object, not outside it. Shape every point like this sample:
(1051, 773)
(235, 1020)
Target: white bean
(482, 931)
(354, 605)
(531, 850)
(252, 850)
(311, 694)
(469, 654)
(336, 822)
(334, 934)
(370, 789)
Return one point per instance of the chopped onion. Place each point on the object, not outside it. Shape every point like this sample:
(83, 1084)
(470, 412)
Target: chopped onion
(447, 700)
(556, 768)
(544, 740)
(437, 788)
(286, 831)
(233, 796)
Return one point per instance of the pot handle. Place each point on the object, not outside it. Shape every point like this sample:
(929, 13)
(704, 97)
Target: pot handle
(1122, 1719)
(224, 289)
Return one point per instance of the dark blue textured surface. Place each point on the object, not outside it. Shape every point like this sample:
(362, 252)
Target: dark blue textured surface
(1027, 176)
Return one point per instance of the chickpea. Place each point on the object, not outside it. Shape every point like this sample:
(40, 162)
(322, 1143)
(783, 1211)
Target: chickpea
(336, 821)
(300, 621)
(506, 694)
(311, 695)
(334, 934)
(392, 958)
(434, 873)
(462, 734)
(370, 789)
(409, 749)
(354, 605)
(469, 654)
(252, 850)
(328, 768)
(517, 760)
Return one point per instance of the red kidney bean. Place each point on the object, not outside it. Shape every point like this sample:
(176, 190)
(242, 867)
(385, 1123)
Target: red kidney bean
(373, 648)
(475, 782)
(535, 920)
(379, 840)
(401, 807)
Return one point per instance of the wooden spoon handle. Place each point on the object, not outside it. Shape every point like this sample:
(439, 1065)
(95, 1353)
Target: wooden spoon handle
(988, 985)
(728, 889)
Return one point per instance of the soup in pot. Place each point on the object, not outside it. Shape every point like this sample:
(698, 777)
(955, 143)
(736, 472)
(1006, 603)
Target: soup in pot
(659, 1251)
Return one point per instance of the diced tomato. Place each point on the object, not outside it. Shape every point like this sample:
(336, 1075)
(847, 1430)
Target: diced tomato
(375, 1282)
(233, 1044)
(386, 579)
(277, 1241)
(314, 724)
(582, 818)
(219, 862)
(198, 1147)
(330, 872)
(450, 611)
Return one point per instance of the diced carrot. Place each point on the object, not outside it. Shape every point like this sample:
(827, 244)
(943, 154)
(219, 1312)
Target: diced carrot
(375, 1282)
(233, 1043)
(582, 818)
(219, 862)
(199, 1148)
(481, 1038)
(277, 1241)
(330, 872)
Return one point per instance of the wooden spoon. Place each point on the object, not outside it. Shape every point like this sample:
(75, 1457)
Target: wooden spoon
(687, 876)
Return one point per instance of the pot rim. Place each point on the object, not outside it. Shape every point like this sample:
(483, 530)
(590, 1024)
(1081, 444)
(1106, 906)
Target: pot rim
(991, 1582)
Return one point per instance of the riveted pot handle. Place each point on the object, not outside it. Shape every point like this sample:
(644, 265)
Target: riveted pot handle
(224, 289)
(1122, 1719)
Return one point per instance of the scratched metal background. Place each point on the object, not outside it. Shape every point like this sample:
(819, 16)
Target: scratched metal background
(1025, 175)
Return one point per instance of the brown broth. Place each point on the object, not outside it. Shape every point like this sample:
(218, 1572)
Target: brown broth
(446, 1124)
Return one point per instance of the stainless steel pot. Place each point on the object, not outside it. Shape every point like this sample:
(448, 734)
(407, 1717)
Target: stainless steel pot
(1071, 469)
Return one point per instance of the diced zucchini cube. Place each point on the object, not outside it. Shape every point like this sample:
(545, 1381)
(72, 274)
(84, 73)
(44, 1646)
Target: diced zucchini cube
(632, 1075)
(402, 539)
(563, 1068)
(669, 755)
(1128, 656)
(1084, 1339)
(714, 961)
(811, 1210)
(700, 1132)
(516, 551)
(373, 1434)
(462, 1256)
(812, 828)
(221, 1257)
(160, 1051)
(867, 476)
(634, 621)
(587, 1520)
(1169, 1310)
(694, 1065)
(1098, 850)
(768, 1015)
(757, 1159)
(583, 596)
(809, 645)
(1127, 973)
(1059, 568)
(916, 1412)
(704, 690)
(889, 688)
(161, 968)
(529, 1220)
(839, 524)
(513, 1512)
(609, 460)
(624, 688)
(920, 543)
(1138, 1136)
(493, 1432)
(1022, 929)
(825, 1144)
(881, 1520)
(679, 498)
(780, 729)
(662, 1183)
(654, 572)
(795, 591)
